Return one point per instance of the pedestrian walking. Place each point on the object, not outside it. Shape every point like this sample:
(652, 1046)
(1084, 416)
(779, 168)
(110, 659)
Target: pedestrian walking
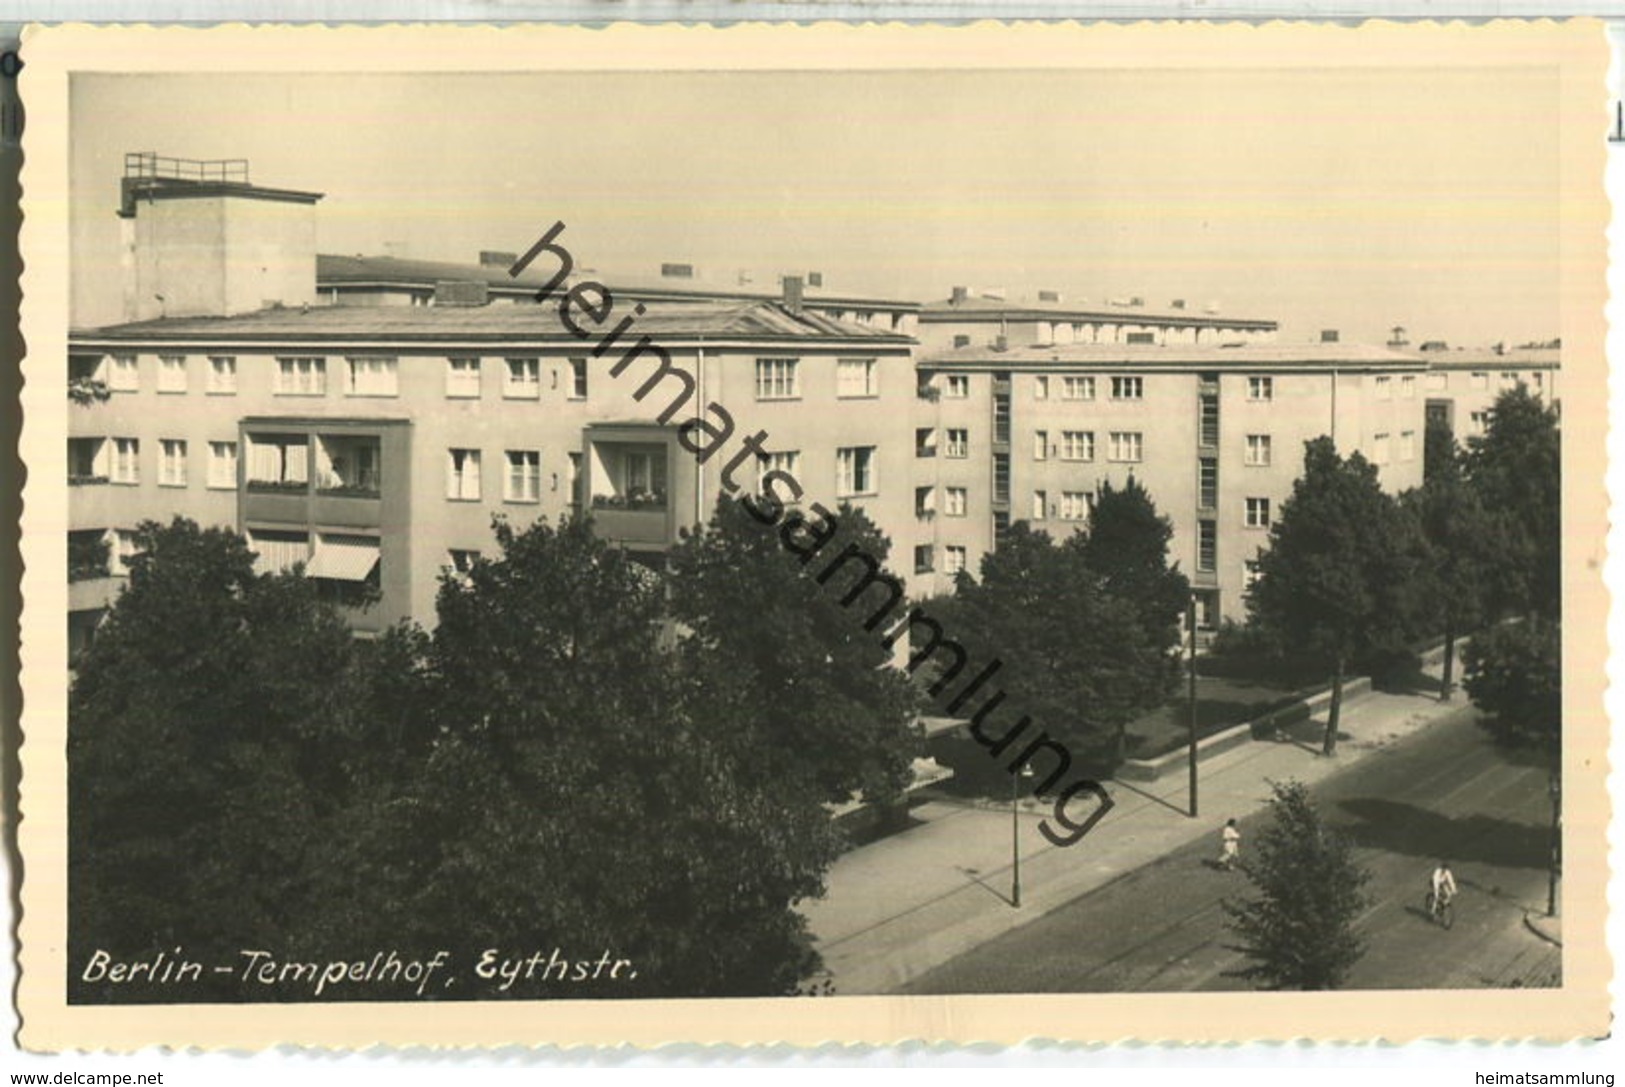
(1231, 836)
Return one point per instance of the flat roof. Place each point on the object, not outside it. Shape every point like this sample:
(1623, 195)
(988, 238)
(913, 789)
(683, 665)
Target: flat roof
(1320, 356)
(360, 271)
(992, 309)
(1487, 358)
(673, 323)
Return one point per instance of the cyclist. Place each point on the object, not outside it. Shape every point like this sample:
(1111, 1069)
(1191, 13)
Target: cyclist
(1444, 885)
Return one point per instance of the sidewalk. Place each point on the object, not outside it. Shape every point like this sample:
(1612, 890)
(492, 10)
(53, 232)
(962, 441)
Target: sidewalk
(909, 902)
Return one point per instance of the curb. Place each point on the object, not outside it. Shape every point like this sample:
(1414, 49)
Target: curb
(1534, 926)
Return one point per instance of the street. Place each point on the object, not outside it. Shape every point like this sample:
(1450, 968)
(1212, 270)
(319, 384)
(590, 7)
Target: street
(1445, 792)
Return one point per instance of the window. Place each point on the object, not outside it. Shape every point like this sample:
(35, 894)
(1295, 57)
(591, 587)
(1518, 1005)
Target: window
(1537, 381)
(1407, 387)
(958, 386)
(925, 501)
(856, 377)
(1481, 379)
(460, 562)
(1438, 380)
(370, 377)
(953, 559)
(223, 464)
(958, 443)
(523, 380)
(855, 470)
(463, 377)
(776, 379)
(925, 441)
(126, 460)
(1509, 378)
(573, 471)
(126, 374)
(1407, 445)
(1207, 546)
(1041, 387)
(1075, 505)
(1078, 445)
(1040, 505)
(1250, 574)
(463, 474)
(171, 373)
(524, 479)
(1258, 450)
(171, 462)
(1207, 478)
(1126, 445)
(787, 461)
(1128, 388)
(924, 561)
(955, 501)
(1040, 445)
(222, 374)
(1258, 513)
(578, 379)
(301, 377)
(1077, 388)
(1379, 449)
(1385, 388)
(277, 551)
(123, 550)
(1480, 421)
(279, 461)
(1261, 388)
(87, 460)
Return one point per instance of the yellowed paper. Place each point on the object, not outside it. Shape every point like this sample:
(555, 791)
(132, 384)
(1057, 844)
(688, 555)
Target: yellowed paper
(1401, 210)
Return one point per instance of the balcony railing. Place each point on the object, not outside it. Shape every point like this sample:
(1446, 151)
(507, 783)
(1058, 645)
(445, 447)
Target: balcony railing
(654, 501)
(278, 486)
(349, 490)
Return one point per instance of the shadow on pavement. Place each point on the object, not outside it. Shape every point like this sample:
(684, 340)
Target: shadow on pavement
(976, 877)
(1396, 827)
(1137, 791)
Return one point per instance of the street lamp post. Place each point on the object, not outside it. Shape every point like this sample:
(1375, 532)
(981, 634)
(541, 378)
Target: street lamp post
(1015, 835)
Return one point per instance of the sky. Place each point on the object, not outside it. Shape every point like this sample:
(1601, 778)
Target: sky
(1353, 199)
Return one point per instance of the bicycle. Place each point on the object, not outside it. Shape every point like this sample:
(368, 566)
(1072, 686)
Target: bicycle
(1441, 909)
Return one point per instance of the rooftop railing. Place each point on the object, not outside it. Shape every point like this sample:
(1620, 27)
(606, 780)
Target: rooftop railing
(148, 164)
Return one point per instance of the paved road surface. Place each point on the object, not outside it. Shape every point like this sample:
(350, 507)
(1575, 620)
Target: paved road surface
(1445, 792)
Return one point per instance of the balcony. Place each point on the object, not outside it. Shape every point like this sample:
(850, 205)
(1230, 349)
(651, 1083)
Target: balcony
(346, 507)
(265, 500)
(645, 522)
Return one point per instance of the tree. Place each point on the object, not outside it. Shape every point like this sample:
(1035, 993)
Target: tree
(1127, 548)
(1439, 449)
(200, 741)
(1461, 551)
(1077, 658)
(1516, 468)
(1338, 568)
(818, 698)
(1299, 930)
(1515, 675)
(574, 793)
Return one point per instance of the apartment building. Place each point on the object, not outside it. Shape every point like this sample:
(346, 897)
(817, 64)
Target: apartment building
(967, 320)
(394, 281)
(1215, 434)
(1463, 384)
(374, 444)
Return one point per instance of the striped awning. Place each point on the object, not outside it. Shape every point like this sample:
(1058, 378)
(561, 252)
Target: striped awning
(344, 558)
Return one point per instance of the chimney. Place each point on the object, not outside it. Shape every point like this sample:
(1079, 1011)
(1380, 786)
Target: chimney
(1328, 335)
(1398, 339)
(792, 293)
(676, 271)
(1136, 301)
(815, 279)
(497, 258)
(960, 295)
(1049, 296)
(1001, 342)
(1178, 303)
